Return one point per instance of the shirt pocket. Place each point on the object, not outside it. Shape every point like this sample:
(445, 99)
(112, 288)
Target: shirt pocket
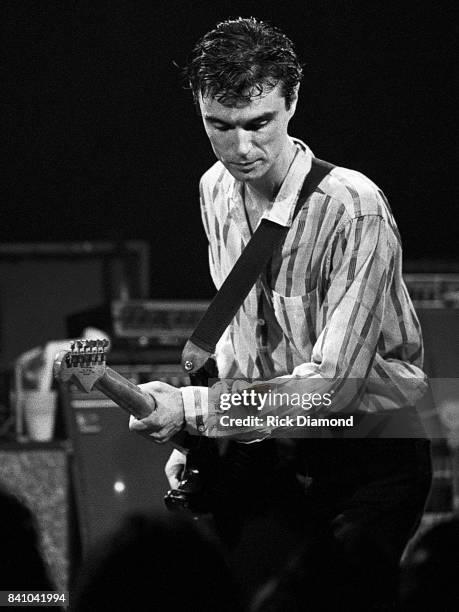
(296, 317)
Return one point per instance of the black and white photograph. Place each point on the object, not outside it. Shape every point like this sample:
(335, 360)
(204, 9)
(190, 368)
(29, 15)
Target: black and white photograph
(229, 306)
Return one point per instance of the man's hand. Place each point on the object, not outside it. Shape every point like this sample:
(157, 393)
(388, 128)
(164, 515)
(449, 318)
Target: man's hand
(174, 468)
(167, 419)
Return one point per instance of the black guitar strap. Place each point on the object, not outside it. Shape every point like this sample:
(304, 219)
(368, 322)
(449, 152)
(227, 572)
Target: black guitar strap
(243, 276)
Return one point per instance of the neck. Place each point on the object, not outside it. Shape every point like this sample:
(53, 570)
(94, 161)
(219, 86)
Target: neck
(268, 185)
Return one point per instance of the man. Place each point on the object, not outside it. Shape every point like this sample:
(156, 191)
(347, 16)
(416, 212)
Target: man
(331, 306)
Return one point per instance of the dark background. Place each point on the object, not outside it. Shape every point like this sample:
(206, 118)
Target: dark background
(103, 143)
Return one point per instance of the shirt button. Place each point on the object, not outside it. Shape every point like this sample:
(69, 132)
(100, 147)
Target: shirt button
(201, 428)
(261, 321)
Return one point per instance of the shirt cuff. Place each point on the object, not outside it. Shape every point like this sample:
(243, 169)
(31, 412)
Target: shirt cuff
(196, 409)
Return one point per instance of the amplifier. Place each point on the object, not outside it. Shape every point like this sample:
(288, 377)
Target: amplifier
(433, 290)
(157, 321)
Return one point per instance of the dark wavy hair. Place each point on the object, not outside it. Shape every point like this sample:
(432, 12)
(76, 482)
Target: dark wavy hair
(242, 58)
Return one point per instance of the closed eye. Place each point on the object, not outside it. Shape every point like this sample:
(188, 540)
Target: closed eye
(253, 127)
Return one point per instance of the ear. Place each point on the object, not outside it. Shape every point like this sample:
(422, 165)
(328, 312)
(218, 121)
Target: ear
(294, 101)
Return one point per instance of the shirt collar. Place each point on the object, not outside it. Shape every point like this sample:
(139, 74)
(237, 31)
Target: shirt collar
(283, 206)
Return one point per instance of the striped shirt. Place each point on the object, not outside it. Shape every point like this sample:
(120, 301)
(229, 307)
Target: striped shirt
(332, 304)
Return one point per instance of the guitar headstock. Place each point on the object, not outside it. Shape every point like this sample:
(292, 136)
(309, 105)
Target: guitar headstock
(84, 364)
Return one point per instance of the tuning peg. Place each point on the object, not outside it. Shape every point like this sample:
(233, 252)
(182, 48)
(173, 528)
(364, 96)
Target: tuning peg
(96, 350)
(104, 346)
(93, 349)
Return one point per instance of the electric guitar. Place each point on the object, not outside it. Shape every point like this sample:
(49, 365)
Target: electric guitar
(85, 366)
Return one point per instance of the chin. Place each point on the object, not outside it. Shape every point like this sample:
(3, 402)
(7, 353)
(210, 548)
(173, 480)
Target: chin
(251, 175)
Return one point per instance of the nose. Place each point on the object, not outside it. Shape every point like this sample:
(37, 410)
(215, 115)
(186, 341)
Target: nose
(242, 142)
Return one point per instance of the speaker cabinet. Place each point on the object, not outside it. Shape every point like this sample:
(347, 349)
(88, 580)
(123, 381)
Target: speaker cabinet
(114, 472)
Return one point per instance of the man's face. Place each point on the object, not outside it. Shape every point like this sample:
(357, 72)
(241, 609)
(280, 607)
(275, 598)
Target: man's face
(249, 138)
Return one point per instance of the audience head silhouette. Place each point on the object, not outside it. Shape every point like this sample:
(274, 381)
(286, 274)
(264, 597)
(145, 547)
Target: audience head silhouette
(164, 562)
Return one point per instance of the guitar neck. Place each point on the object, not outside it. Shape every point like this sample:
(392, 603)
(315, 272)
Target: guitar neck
(126, 394)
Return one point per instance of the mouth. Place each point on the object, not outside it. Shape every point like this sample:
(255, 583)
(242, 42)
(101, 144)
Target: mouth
(248, 164)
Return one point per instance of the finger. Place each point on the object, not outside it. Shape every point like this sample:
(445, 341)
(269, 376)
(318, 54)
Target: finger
(151, 387)
(176, 458)
(174, 474)
(144, 434)
(174, 482)
(159, 437)
(136, 425)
